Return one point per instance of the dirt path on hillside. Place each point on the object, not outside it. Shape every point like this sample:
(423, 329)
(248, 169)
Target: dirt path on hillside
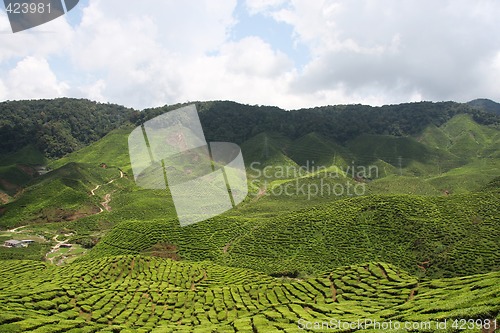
(107, 198)
(16, 229)
(226, 248)
(55, 247)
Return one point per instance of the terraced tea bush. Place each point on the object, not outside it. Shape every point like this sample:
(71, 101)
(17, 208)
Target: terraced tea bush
(150, 294)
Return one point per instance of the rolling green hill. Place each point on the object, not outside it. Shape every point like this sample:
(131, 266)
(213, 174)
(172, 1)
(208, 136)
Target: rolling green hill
(18, 168)
(112, 150)
(314, 150)
(33, 131)
(61, 195)
(267, 150)
(453, 236)
(468, 139)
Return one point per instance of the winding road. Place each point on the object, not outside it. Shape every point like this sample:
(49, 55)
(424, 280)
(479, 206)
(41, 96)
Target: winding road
(16, 229)
(107, 197)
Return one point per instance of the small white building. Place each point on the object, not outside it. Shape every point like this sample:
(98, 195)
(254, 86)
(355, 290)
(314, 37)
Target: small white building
(18, 243)
(14, 243)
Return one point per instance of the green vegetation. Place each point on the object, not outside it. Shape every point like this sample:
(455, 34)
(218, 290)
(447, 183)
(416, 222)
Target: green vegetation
(230, 121)
(409, 234)
(35, 251)
(56, 127)
(111, 150)
(267, 149)
(485, 105)
(61, 195)
(427, 236)
(19, 168)
(147, 294)
(28, 155)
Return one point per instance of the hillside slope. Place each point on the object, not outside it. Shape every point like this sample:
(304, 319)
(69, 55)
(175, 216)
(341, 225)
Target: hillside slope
(61, 195)
(143, 218)
(444, 236)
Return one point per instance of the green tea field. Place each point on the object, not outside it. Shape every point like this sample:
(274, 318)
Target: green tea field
(148, 294)
(357, 219)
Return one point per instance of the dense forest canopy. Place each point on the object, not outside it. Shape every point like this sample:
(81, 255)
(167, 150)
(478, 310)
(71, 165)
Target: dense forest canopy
(57, 127)
(230, 121)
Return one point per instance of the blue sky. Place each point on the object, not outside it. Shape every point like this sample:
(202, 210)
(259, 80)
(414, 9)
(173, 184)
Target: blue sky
(288, 53)
(277, 34)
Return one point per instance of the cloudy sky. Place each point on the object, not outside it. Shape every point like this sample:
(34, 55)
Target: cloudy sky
(288, 53)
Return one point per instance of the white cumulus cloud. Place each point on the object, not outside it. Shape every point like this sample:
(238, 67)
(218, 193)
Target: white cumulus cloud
(396, 49)
(259, 6)
(166, 51)
(32, 78)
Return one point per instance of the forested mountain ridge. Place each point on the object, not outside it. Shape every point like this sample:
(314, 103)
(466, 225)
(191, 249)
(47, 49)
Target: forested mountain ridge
(60, 126)
(33, 133)
(234, 122)
(485, 105)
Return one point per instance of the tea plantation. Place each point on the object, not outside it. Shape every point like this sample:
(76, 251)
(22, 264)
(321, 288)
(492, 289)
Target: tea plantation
(427, 236)
(148, 294)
